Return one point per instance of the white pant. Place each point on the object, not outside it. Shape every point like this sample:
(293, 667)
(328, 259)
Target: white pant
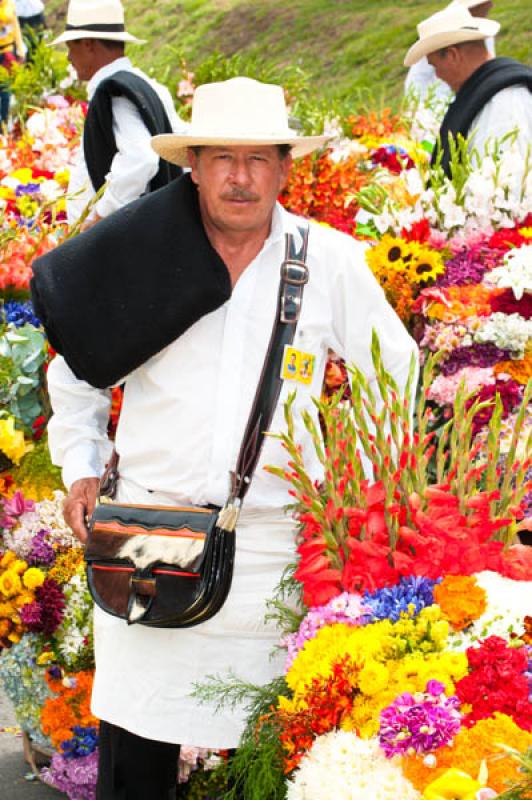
(144, 676)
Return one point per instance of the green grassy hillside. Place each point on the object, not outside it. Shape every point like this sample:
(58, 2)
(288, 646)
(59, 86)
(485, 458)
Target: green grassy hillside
(343, 46)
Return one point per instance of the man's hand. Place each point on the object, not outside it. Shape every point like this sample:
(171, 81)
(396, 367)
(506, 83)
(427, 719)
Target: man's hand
(79, 505)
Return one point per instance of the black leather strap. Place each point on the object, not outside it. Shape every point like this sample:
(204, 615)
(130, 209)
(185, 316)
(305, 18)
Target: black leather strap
(294, 276)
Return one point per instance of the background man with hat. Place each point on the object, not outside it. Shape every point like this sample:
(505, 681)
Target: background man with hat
(493, 95)
(422, 76)
(184, 413)
(126, 108)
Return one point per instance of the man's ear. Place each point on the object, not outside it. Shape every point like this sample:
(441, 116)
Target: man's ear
(193, 162)
(286, 165)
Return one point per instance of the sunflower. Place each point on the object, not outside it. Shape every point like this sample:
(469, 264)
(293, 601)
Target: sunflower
(426, 265)
(390, 254)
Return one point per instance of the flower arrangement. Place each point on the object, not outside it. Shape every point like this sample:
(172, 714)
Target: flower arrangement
(414, 583)
(395, 685)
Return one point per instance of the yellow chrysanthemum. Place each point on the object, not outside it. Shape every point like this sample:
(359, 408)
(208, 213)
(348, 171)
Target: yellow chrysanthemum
(373, 677)
(526, 232)
(15, 637)
(11, 440)
(33, 578)
(10, 584)
(19, 566)
(7, 559)
(381, 642)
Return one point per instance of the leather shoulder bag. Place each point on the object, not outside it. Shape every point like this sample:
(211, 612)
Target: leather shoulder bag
(170, 567)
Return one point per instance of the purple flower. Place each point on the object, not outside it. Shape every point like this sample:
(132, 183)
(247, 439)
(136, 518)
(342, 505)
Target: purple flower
(419, 723)
(346, 608)
(466, 267)
(46, 613)
(30, 616)
(14, 507)
(28, 188)
(478, 355)
(76, 777)
(41, 553)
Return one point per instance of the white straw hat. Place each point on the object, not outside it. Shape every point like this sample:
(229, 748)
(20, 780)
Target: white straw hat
(451, 26)
(96, 19)
(240, 111)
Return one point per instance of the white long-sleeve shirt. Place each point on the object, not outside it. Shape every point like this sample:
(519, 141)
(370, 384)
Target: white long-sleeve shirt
(509, 110)
(135, 163)
(182, 422)
(185, 410)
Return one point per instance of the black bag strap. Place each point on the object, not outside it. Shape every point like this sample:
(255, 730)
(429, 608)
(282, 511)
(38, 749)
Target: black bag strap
(294, 276)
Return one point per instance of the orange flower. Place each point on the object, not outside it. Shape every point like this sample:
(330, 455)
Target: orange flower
(470, 748)
(70, 707)
(461, 600)
(519, 370)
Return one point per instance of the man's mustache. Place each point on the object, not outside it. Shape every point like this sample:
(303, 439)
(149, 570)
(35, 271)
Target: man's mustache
(240, 194)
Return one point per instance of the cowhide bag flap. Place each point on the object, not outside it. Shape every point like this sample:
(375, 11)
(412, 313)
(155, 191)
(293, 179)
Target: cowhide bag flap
(160, 566)
(172, 567)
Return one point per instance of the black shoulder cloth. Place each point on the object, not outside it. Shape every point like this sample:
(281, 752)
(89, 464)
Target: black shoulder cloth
(99, 145)
(487, 81)
(117, 294)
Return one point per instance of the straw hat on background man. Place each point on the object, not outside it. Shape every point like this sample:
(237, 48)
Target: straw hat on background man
(453, 25)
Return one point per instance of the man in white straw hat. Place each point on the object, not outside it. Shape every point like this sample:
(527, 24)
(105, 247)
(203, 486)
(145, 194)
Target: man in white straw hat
(126, 108)
(422, 78)
(185, 411)
(493, 95)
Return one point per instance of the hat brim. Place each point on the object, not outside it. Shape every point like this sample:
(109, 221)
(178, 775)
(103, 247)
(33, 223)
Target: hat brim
(71, 36)
(174, 147)
(424, 47)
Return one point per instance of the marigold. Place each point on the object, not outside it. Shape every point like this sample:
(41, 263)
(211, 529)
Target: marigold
(470, 748)
(520, 370)
(70, 707)
(461, 600)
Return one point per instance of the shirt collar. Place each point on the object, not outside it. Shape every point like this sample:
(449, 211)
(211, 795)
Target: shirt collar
(118, 64)
(282, 222)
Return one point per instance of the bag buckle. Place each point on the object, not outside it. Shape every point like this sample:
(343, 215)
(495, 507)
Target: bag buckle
(294, 272)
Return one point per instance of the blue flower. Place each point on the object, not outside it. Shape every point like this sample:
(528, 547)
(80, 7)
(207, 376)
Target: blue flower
(20, 313)
(412, 593)
(83, 743)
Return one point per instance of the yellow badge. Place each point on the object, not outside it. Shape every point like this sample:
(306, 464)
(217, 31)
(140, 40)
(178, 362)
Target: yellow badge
(297, 366)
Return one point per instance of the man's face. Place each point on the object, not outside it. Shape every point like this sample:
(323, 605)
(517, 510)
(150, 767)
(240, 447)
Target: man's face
(447, 66)
(81, 56)
(238, 186)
